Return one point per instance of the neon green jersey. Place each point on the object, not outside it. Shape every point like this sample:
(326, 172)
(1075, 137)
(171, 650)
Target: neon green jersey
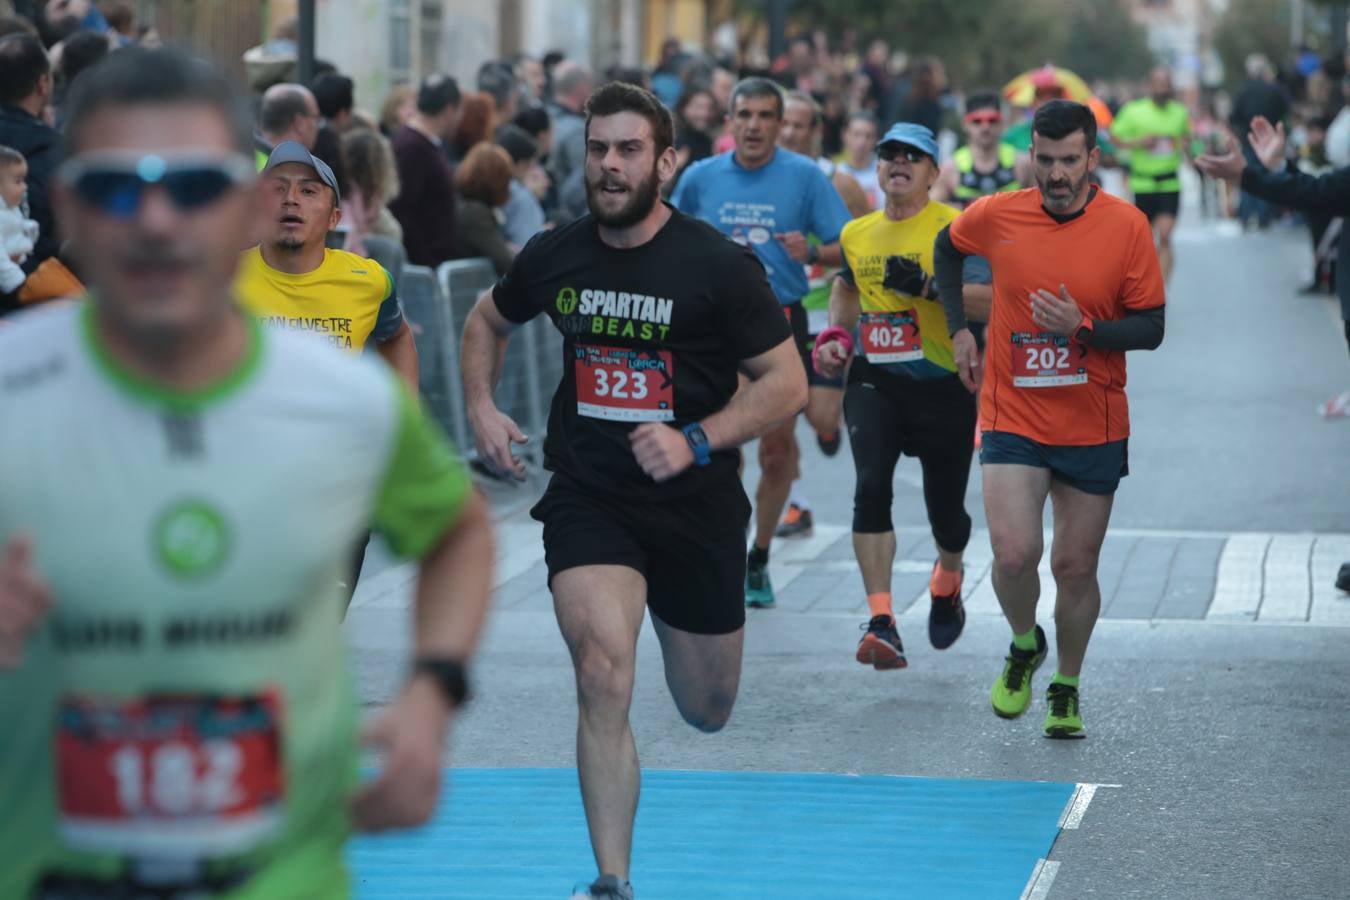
(187, 697)
(1155, 169)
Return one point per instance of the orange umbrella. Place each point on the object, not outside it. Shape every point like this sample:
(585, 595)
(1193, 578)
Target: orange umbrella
(1022, 90)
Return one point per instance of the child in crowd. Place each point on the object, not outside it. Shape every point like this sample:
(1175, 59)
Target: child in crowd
(17, 232)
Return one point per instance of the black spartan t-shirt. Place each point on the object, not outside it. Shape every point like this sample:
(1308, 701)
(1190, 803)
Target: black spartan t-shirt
(651, 334)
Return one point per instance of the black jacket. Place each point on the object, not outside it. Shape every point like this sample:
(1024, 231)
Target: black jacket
(39, 143)
(1329, 193)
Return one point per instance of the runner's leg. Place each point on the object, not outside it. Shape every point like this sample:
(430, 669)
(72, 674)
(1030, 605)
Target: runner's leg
(1014, 503)
(875, 437)
(600, 610)
(1163, 225)
(778, 457)
(1080, 527)
(703, 673)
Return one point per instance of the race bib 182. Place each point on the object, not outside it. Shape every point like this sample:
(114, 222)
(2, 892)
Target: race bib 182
(624, 384)
(890, 337)
(183, 776)
(1047, 360)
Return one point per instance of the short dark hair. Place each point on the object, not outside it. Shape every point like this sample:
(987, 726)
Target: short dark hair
(333, 93)
(1058, 119)
(756, 87)
(119, 14)
(533, 119)
(517, 142)
(23, 62)
(80, 51)
(436, 93)
(983, 100)
(862, 115)
(498, 80)
(136, 76)
(280, 107)
(617, 97)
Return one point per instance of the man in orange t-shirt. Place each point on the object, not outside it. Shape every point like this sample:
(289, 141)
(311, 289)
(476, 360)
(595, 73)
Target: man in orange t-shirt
(1076, 284)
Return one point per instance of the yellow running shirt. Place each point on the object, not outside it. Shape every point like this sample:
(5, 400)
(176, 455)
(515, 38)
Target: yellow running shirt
(347, 299)
(897, 331)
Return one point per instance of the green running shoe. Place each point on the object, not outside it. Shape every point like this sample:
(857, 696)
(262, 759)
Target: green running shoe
(1061, 719)
(758, 590)
(1011, 693)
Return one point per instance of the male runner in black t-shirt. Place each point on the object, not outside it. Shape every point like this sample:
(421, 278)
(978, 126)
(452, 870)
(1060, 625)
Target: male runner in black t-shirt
(658, 313)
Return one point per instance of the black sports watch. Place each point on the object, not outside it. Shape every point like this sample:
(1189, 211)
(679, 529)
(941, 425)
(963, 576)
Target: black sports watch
(450, 676)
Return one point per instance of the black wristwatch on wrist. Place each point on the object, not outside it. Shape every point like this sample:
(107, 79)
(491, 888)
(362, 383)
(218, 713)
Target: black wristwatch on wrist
(450, 676)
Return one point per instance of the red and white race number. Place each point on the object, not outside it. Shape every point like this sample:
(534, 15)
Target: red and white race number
(1047, 360)
(891, 337)
(624, 384)
(177, 776)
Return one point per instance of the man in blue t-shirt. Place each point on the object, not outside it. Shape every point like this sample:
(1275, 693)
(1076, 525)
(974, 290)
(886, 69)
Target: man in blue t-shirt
(769, 199)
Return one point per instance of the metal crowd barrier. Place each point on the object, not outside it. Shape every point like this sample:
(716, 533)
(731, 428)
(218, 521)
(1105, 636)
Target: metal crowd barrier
(436, 305)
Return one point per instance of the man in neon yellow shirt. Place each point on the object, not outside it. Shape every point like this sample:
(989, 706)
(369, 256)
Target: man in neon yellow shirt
(292, 281)
(178, 715)
(1156, 130)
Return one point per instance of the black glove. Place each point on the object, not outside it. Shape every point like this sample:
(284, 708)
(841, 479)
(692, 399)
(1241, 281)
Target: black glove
(905, 276)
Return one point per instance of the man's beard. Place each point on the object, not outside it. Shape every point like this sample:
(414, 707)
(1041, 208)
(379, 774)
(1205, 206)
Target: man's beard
(288, 244)
(642, 199)
(1057, 204)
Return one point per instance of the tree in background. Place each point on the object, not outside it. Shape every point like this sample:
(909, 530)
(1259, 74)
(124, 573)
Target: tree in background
(1105, 42)
(1247, 27)
(985, 44)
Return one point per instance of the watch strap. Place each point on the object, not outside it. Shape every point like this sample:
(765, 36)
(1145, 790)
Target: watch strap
(450, 676)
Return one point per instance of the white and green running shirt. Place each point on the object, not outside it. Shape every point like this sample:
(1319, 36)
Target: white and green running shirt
(185, 712)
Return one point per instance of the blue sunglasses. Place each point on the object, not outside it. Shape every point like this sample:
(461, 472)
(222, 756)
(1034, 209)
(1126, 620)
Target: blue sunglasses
(116, 183)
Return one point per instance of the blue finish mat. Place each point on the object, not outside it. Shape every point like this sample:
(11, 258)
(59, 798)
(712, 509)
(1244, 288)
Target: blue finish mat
(521, 834)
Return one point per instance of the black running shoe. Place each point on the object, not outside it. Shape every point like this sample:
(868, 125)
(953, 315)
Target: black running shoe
(1343, 578)
(829, 443)
(946, 617)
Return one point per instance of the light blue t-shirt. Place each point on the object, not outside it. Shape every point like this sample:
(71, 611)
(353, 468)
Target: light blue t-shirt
(750, 206)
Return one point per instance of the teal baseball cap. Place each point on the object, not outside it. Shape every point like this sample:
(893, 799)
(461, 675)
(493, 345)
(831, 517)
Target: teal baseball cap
(920, 137)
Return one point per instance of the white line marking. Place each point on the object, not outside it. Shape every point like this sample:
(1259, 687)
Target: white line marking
(1329, 605)
(1237, 591)
(1287, 592)
(1077, 806)
(787, 559)
(1042, 877)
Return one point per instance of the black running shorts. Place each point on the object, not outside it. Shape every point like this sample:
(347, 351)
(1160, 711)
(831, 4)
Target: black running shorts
(691, 549)
(1158, 203)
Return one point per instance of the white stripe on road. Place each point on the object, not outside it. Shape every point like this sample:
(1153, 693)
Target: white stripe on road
(1042, 877)
(1237, 593)
(1078, 805)
(1287, 591)
(1329, 605)
(786, 560)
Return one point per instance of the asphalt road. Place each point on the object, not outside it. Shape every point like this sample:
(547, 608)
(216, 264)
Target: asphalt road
(1225, 739)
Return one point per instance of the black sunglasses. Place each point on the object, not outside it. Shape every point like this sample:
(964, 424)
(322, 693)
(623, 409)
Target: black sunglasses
(892, 152)
(116, 183)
